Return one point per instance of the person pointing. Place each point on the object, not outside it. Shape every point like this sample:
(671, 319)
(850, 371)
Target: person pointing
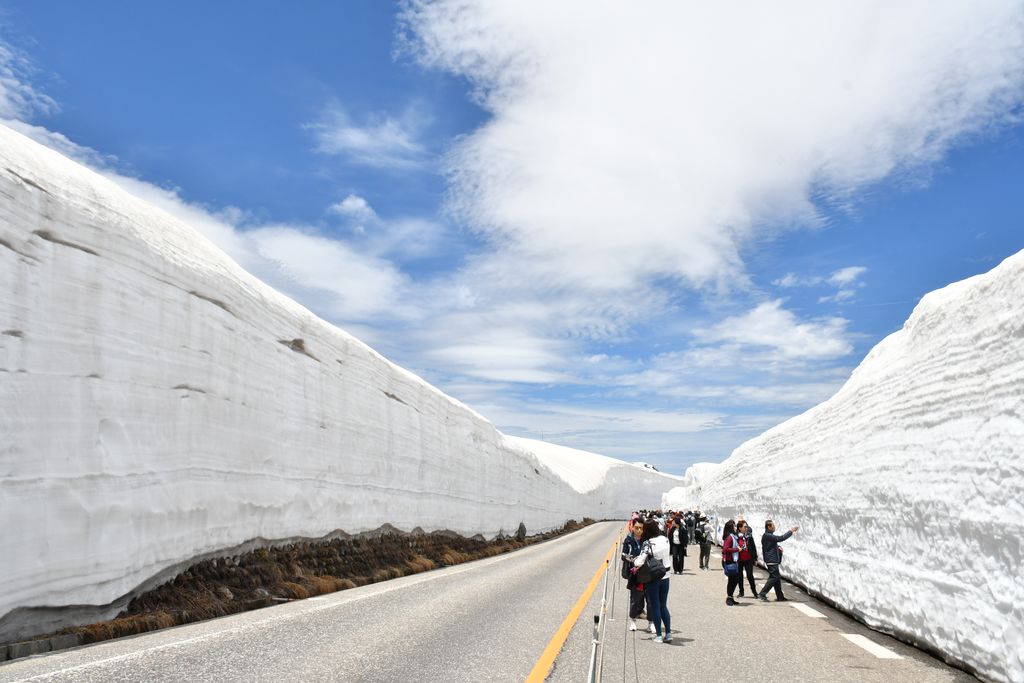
(772, 554)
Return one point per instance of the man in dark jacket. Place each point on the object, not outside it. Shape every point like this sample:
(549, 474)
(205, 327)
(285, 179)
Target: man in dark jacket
(772, 554)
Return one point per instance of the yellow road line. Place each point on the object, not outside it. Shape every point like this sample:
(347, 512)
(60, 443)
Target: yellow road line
(547, 659)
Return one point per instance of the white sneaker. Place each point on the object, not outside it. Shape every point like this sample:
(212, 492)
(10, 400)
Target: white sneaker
(658, 639)
(651, 628)
(632, 624)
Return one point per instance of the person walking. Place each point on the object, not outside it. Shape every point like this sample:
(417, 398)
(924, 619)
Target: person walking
(691, 524)
(730, 559)
(703, 535)
(655, 543)
(677, 545)
(630, 551)
(772, 558)
(747, 556)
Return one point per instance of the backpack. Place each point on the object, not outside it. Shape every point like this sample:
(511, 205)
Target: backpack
(700, 535)
(652, 569)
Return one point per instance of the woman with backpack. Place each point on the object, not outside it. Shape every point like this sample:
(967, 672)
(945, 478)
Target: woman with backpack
(655, 545)
(732, 545)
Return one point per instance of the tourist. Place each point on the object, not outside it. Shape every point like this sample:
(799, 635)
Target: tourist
(630, 551)
(677, 545)
(691, 523)
(747, 556)
(772, 558)
(731, 547)
(655, 543)
(704, 534)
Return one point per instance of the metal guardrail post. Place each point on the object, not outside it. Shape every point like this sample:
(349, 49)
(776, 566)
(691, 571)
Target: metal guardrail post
(593, 649)
(604, 616)
(600, 623)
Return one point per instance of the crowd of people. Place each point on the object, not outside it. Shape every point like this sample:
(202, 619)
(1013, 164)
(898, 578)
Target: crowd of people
(656, 544)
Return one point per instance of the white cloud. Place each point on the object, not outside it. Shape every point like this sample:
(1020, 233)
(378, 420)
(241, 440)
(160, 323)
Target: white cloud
(658, 140)
(408, 239)
(556, 419)
(359, 286)
(839, 297)
(18, 98)
(789, 280)
(502, 354)
(847, 276)
(333, 277)
(402, 239)
(356, 209)
(382, 141)
(846, 280)
(771, 326)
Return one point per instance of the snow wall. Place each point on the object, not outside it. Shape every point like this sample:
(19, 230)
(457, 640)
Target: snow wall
(908, 484)
(687, 495)
(158, 404)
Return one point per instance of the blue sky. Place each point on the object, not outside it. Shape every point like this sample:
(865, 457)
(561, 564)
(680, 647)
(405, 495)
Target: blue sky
(650, 234)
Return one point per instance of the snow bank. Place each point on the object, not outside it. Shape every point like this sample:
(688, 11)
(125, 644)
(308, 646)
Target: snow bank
(157, 403)
(687, 496)
(908, 484)
(586, 472)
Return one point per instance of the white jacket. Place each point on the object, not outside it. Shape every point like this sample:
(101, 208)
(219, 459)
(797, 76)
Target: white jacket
(659, 546)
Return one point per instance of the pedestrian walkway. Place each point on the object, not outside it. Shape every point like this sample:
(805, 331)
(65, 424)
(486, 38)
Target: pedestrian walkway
(798, 640)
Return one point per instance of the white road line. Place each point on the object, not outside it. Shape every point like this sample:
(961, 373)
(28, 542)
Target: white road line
(813, 613)
(874, 648)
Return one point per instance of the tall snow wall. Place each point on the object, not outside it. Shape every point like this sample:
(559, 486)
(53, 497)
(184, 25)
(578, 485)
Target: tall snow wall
(159, 404)
(687, 495)
(908, 484)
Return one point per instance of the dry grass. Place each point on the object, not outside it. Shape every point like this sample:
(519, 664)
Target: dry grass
(125, 626)
(420, 564)
(233, 584)
(294, 591)
(450, 557)
(386, 574)
(318, 585)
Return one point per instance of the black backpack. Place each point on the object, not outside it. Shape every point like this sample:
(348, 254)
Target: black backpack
(652, 569)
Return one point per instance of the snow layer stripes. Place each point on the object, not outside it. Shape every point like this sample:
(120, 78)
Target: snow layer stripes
(157, 403)
(908, 484)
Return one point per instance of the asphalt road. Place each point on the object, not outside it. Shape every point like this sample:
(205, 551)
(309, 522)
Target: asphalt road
(488, 620)
(491, 620)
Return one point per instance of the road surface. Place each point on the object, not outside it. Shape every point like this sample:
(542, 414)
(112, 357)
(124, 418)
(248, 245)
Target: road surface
(492, 620)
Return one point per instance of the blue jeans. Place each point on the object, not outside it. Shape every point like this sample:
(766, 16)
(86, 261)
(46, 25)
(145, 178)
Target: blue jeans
(657, 604)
